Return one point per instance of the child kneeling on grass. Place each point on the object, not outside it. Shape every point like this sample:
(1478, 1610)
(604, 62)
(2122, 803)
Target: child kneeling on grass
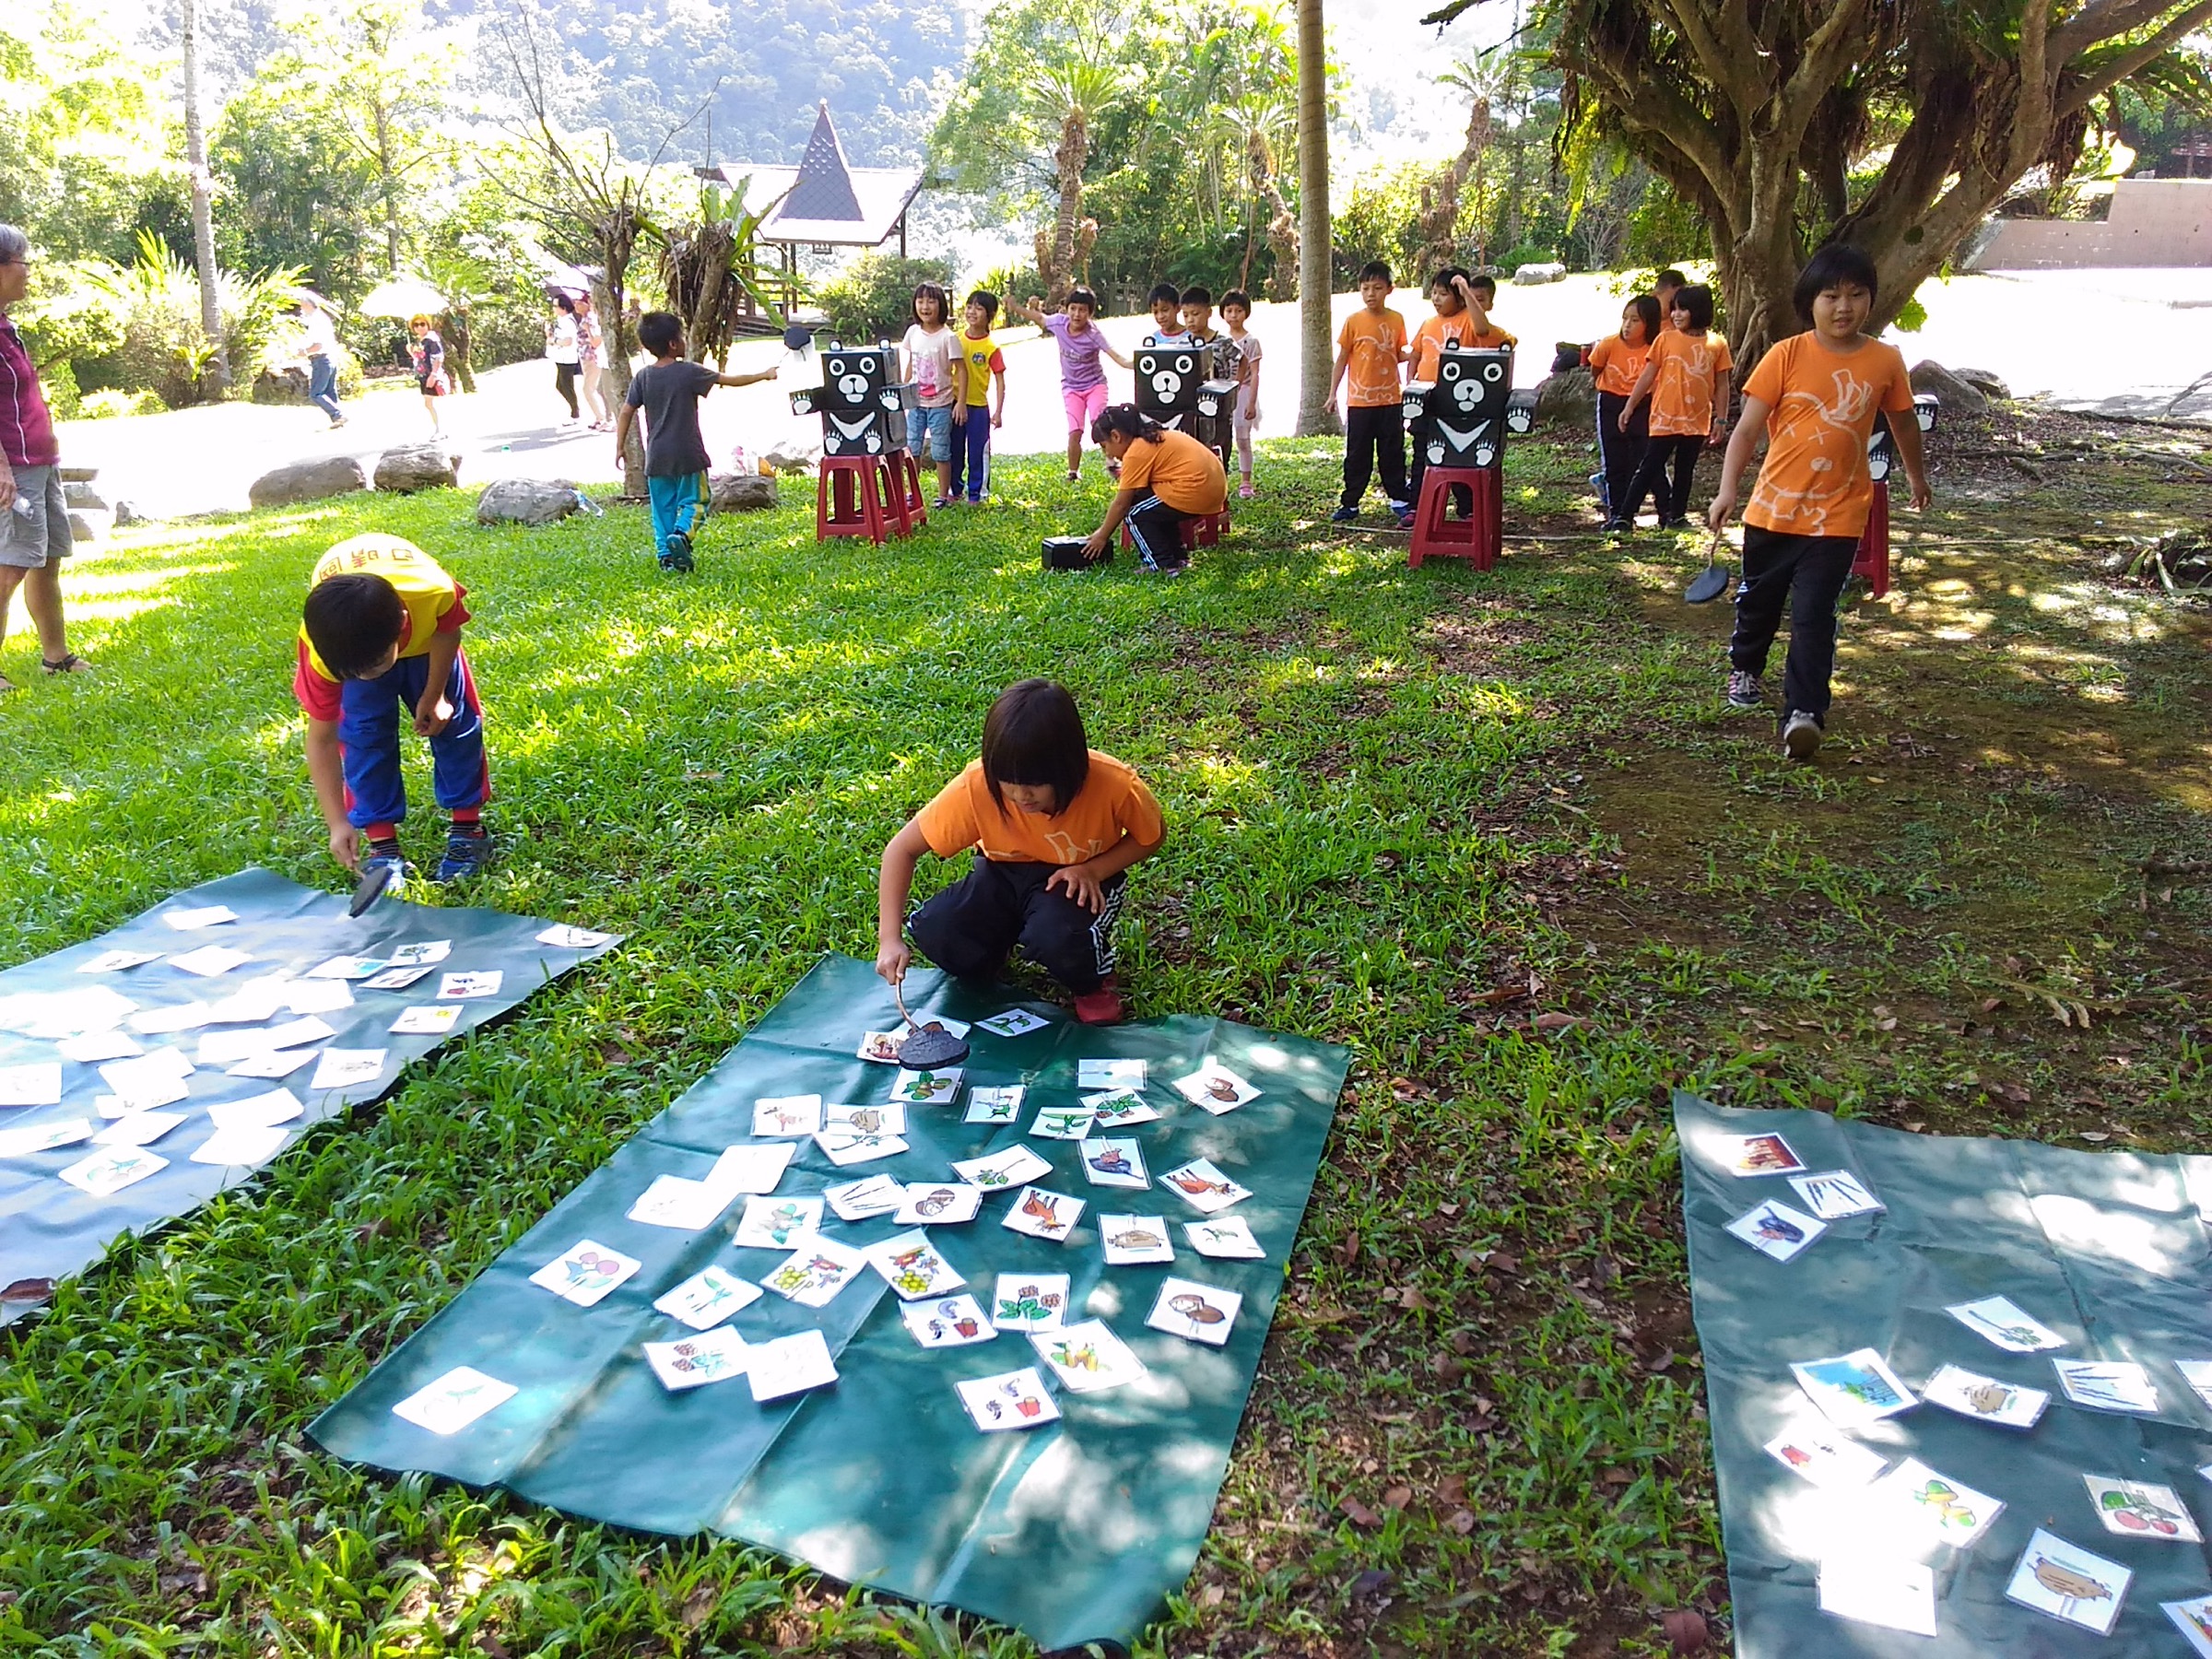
(381, 628)
(1166, 478)
(1053, 825)
(1814, 395)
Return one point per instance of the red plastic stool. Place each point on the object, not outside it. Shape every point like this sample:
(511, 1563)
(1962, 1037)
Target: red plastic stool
(850, 493)
(905, 506)
(1872, 559)
(1479, 536)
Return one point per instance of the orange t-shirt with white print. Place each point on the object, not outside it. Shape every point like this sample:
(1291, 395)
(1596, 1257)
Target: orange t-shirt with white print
(1690, 365)
(1114, 802)
(1376, 345)
(1616, 363)
(1433, 335)
(1815, 480)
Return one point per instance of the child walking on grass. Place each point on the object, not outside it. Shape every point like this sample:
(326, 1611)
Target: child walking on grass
(1815, 395)
(380, 634)
(982, 406)
(1052, 827)
(1082, 381)
(1236, 311)
(668, 391)
(1685, 377)
(932, 354)
(1616, 363)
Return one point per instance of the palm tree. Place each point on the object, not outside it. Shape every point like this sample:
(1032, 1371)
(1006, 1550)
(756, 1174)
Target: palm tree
(1315, 414)
(1071, 91)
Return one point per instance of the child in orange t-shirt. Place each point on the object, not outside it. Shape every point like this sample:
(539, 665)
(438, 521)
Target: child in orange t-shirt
(1686, 376)
(1372, 349)
(1053, 825)
(1463, 318)
(1816, 394)
(1617, 364)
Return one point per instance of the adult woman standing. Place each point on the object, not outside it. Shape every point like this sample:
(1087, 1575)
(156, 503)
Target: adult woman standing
(591, 362)
(427, 350)
(560, 350)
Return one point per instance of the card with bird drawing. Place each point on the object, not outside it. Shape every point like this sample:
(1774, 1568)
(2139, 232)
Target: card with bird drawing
(2063, 1581)
(1775, 1230)
(1971, 1394)
(584, 1273)
(787, 1115)
(1206, 1188)
(1028, 1301)
(1011, 1400)
(1115, 1162)
(1135, 1241)
(1194, 1311)
(1045, 1215)
(2135, 1509)
(1230, 1238)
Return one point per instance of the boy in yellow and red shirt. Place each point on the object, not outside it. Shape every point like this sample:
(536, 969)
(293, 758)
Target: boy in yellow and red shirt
(1816, 394)
(982, 406)
(1685, 377)
(1370, 351)
(382, 630)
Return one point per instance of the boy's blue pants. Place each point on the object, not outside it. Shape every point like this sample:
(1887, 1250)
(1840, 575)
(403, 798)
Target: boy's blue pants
(971, 453)
(370, 716)
(674, 506)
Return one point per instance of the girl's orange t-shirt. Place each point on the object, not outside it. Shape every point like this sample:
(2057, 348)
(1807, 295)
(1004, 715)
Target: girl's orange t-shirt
(1114, 802)
(1616, 363)
(1815, 480)
(1682, 393)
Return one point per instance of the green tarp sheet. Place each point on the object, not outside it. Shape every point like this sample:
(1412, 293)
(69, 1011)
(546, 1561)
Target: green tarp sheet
(1074, 1531)
(2108, 1249)
(49, 1228)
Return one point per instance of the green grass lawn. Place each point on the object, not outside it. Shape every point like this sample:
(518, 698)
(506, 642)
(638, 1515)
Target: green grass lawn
(1496, 833)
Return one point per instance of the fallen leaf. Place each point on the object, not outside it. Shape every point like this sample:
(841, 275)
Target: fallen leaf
(1990, 1004)
(29, 1290)
(1462, 1523)
(1618, 1476)
(1462, 1341)
(1452, 1488)
(1347, 1251)
(372, 1229)
(1358, 1513)
(1660, 1364)
(1397, 1496)
(1374, 1581)
(1554, 1022)
(699, 1603)
(1501, 1262)
(1686, 1629)
(1447, 1369)
(1211, 1595)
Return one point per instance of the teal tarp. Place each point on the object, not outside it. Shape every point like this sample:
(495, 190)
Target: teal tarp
(2108, 1249)
(1075, 1531)
(48, 1228)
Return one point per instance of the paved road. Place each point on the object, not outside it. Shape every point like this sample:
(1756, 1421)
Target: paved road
(2119, 341)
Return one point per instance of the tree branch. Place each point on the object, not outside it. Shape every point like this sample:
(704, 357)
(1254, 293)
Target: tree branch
(2122, 65)
(1827, 53)
(1730, 63)
(2104, 20)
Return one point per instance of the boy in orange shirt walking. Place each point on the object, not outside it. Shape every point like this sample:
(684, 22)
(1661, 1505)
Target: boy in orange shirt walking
(1685, 377)
(1371, 350)
(1816, 394)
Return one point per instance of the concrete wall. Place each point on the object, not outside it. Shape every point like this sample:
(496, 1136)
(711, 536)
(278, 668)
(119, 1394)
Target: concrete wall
(2153, 222)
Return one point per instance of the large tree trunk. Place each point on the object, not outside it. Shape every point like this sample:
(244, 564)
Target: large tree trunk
(1317, 335)
(617, 239)
(387, 187)
(1067, 221)
(203, 206)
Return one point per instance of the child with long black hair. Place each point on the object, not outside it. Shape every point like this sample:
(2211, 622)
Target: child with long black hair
(1616, 363)
(1685, 377)
(1814, 395)
(1166, 476)
(933, 362)
(1054, 826)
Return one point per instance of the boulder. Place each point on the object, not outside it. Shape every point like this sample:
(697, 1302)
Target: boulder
(741, 492)
(308, 481)
(418, 466)
(1568, 399)
(280, 386)
(530, 501)
(1531, 275)
(84, 495)
(792, 455)
(1955, 394)
(127, 516)
(1986, 383)
(83, 529)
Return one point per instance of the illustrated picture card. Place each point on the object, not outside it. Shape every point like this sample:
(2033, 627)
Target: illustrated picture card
(2066, 1581)
(1120, 1108)
(2197, 1374)
(1088, 1356)
(585, 1273)
(1835, 1195)
(1854, 1389)
(1028, 1301)
(1014, 1022)
(2107, 1385)
(420, 954)
(680, 1203)
(1756, 1155)
(1010, 1168)
(348, 1068)
(1971, 1394)
(1115, 1162)
(192, 918)
(869, 1196)
(455, 1401)
(816, 1272)
(2135, 1509)
(888, 1117)
(749, 1167)
(432, 1019)
(1135, 1241)
(1045, 1215)
(879, 1048)
(1216, 1089)
(713, 1356)
(210, 960)
(844, 1149)
(937, 1203)
(396, 979)
(799, 1115)
(927, 1088)
(1011, 1400)
(1877, 1589)
(2001, 1320)
(563, 936)
(1830, 1461)
(38, 1084)
(1228, 1238)
(2193, 1619)
(110, 1169)
(1062, 1124)
(1111, 1074)
(913, 1266)
(707, 1297)
(44, 1137)
(947, 1322)
(460, 987)
(994, 1105)
(1206, 1188)
(789, 1365)
(772, 1223)
(1774, 1230)
(1937, 1507)
(1194, 1311)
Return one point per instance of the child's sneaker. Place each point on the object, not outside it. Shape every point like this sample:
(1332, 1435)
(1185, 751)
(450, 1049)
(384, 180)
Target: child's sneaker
(1344, 515)
(467, 853)
(1621, 527)
(1674, 524)
(1801, 736)
(1245, 491)
(1102, 1007)
(678, 555)
(1743, 690)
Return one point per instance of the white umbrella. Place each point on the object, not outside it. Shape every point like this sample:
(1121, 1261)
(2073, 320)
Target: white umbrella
(402, 297)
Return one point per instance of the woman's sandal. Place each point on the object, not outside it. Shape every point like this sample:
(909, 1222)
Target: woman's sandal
(70, 663)
(7, 684)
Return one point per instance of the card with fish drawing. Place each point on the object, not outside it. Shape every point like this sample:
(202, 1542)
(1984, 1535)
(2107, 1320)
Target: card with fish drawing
(1775, 1230)
(1971, 1394)
(1194, 1311)
(1045, 1215)
(1135, 1241)
(2063, 1581)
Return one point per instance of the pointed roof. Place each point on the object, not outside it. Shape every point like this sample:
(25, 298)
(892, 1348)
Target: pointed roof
(824, 190)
